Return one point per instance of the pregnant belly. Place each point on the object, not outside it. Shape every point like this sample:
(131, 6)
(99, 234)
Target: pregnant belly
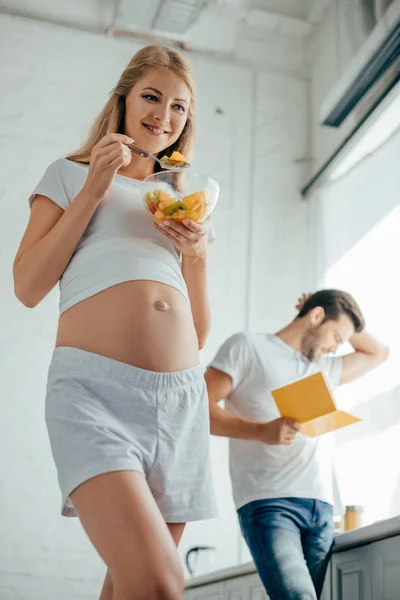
(143, 323)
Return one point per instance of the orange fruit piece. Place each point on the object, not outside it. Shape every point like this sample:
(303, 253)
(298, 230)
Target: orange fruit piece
(179, 216)
(165, 198)
(189, 215)
(159, 216)
(194, 215)
(178, 157)
(193, 201)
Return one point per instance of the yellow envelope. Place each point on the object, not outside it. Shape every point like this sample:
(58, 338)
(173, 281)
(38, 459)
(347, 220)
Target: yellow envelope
(310, 402)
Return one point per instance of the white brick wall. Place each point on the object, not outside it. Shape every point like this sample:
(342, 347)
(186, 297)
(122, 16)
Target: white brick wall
(54, 81)
(278, 243)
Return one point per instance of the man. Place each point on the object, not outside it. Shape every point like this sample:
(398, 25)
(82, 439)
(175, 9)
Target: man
(282, 480)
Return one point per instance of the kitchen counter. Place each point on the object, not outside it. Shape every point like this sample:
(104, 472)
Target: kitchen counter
(352, 539)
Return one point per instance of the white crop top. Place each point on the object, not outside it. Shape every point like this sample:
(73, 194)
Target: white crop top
(120, 243)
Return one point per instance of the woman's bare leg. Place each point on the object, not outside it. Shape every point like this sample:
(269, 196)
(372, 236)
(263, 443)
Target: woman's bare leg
(107, 589)
(122, 519)
(176, 530)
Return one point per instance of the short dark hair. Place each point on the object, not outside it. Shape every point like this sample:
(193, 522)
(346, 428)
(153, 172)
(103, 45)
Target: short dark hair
(335, 303)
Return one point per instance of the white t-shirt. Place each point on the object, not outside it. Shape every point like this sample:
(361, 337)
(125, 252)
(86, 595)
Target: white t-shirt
(120, 243)
(257, 364)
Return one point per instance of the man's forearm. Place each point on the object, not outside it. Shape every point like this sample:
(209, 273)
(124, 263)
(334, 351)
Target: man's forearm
(368, 354)
(365, 342)
(224, 424)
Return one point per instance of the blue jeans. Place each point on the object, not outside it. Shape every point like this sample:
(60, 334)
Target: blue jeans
(291, 541)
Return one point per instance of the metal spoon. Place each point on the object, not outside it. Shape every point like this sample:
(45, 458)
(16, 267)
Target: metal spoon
(171, 165)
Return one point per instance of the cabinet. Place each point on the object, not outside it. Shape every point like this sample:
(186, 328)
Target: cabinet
(370, 572)
(235, 589)
(351, 574)
(386, 569)
(245, 588)
(248, 587)
(214, 591)
(256, 589)
(326, 592)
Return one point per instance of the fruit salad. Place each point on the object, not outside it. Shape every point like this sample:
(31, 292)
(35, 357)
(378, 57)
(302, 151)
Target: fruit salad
(163, 206)
(175, 158)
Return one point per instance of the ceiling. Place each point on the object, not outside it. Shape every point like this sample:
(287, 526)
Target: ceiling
(297, 9)
(213, 25)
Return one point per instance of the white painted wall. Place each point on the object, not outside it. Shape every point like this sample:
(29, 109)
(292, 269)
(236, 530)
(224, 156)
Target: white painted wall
(353, 232)
(54, 81)
(355, 226)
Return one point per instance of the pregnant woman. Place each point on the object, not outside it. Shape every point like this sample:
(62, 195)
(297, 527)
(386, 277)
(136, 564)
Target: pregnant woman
(126, 404)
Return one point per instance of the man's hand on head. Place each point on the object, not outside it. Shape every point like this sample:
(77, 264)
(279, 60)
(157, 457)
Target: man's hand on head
(302, 300)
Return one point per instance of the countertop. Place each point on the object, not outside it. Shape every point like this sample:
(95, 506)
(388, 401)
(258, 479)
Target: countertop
(344, 541)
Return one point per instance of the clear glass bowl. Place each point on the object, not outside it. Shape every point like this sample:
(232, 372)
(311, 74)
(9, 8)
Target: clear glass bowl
(179, 195)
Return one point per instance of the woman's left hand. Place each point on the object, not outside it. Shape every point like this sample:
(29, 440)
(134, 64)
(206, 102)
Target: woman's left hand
(191, 239)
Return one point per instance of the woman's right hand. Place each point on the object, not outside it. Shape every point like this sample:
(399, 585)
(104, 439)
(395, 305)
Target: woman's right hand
(109, 155)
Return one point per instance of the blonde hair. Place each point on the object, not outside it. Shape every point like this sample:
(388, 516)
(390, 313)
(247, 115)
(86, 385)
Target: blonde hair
(112, 117)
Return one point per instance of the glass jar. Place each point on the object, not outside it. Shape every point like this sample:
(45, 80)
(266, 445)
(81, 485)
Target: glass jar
(353, 517)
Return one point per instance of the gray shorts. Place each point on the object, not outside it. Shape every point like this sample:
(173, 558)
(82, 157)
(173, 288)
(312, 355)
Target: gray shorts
(103, 415)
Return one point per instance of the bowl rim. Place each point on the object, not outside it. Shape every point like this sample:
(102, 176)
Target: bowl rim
(148, 178)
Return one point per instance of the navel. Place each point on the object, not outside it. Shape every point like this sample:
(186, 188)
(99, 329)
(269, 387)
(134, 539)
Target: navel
(161, 305)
